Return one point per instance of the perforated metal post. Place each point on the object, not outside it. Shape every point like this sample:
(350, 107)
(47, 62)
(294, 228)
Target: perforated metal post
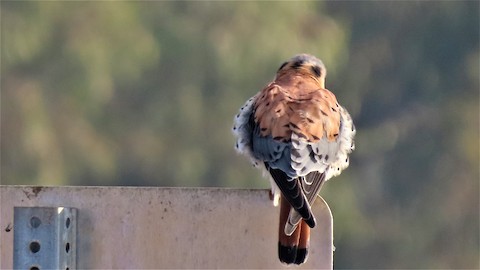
(44, 238)
(149, 228)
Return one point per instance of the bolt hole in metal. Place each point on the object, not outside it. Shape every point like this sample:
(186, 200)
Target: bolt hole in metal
(35, 222)
(67, 223)
(34, 268)
(34, 247)
(67, 246)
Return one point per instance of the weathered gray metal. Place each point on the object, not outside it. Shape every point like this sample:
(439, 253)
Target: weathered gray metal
(44, 238)
(150, 227)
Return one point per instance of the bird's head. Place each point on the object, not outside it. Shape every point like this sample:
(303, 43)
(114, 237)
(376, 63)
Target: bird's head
(305, 64)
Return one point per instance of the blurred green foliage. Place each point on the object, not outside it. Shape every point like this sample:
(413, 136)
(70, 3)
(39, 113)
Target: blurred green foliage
(144, 93)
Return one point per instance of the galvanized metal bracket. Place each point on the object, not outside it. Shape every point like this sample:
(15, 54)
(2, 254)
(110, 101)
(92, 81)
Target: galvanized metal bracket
(44, 238)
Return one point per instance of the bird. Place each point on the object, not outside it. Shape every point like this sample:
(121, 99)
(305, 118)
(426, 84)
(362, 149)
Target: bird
(295, 130)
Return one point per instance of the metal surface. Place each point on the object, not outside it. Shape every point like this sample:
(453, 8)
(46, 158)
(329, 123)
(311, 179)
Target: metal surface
(152, 228)
(44, 238)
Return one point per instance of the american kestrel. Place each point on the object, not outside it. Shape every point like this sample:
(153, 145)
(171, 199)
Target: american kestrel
(297, 131)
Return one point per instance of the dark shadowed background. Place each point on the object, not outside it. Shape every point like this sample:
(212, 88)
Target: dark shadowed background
(144, 93)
